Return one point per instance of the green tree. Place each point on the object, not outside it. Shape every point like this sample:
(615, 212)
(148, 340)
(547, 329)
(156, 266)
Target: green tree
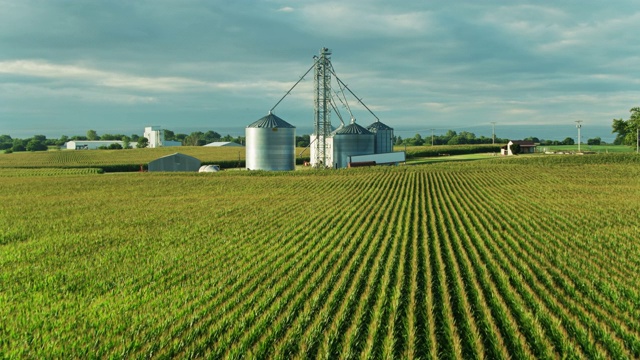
(125, 142)
(212, 136)
(143, 142)
(568, 141)
(196, 138)
(110, 137)
(301, 141)
(627, 129)
(454, 140)
(92, 135)
(594, 141)
(62, 140)
(169, 135)
(6, 142)
(36, 145)
(18, 145)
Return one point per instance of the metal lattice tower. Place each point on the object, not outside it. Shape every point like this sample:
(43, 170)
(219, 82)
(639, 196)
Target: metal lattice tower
(322, 108)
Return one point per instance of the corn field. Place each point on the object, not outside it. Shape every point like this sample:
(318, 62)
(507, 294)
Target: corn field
(490, 259)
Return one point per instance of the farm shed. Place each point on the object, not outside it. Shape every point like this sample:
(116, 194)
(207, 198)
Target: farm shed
(526, 147)
(175, 162)
(92, 144)
(223, 143)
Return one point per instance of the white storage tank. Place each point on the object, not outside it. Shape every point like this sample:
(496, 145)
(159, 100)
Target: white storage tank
(352, 139)
(383, 140)
(270, 144)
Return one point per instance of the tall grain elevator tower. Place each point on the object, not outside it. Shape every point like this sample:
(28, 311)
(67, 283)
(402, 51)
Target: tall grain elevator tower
(321, 148)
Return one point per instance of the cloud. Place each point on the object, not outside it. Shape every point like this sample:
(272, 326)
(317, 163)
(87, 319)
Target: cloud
(119, 80)
(416, 62)
(363, 20)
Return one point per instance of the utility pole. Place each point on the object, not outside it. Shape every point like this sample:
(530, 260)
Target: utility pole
(579, 126)
(638, 140)
(432, 136)
(493, 133)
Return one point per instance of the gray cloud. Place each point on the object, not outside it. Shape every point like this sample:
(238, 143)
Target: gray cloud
(215, 64)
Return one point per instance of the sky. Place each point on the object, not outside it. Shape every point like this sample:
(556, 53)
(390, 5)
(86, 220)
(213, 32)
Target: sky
(116, 66)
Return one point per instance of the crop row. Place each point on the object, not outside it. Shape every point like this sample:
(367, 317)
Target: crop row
(475, 260)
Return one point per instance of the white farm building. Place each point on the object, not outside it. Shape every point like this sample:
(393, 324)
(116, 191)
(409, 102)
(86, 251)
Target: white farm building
(93, 144)
(155, 135)
(223, 143)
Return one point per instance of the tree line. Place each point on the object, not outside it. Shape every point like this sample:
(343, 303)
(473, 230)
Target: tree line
(42, 143)
(468, 138)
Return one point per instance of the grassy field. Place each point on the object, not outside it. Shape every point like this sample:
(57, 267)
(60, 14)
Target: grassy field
(106, 158)
(522, 257)
(228, 157)
(583, 147)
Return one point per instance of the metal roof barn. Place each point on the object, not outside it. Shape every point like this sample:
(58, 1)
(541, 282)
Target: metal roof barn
(383, 140)
(175, 162)
(223, 143)
(352, 139)
(270, 144)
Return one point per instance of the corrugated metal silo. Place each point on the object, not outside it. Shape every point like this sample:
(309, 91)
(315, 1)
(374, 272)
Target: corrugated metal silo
(271, 144)
(383, 140)
(350, 140)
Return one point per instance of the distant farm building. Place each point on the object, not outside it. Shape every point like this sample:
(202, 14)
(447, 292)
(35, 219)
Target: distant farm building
(155, 135)
(224, 143)
(175, 162)
(93, 144)
(524, 146)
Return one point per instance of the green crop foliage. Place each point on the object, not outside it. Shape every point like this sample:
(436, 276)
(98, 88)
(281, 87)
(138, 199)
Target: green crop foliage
(519, 257)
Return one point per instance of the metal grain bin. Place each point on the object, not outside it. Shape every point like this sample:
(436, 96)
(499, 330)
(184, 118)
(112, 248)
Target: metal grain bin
(271, 144)
(350, 140)
(383, 140)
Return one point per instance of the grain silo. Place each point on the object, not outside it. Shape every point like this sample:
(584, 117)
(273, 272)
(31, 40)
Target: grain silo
(383, 140)
(270, 144)
(350, 140)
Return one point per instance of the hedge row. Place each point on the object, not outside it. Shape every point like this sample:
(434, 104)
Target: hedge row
(432, 151)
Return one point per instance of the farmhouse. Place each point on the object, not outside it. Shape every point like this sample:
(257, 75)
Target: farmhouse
(526, 147)
(175, 162)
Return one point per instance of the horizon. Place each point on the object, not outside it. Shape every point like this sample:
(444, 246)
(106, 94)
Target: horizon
(513, 132)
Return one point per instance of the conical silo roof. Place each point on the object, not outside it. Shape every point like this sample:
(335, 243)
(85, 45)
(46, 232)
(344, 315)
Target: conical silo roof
(271, 121)
(352, 128)
(378, 125)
